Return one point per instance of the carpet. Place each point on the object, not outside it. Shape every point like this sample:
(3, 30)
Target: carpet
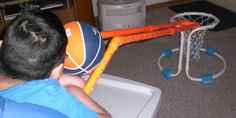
(227, 17)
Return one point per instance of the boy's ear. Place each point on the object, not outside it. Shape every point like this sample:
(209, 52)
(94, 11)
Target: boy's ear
(57, 71)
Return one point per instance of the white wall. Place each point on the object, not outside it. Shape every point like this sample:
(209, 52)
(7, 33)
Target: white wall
(148, 2)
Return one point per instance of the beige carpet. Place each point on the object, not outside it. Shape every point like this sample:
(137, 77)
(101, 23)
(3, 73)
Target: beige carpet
(181, 97)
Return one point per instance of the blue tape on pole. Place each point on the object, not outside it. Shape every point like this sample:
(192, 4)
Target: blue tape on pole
(167, 53)
(167, 73)
(207, 79)
(210, 52)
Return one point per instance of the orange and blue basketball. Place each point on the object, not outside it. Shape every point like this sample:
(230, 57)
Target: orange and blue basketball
(84, 50)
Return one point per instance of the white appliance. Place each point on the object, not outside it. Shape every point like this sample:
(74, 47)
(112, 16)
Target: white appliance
(121, 14)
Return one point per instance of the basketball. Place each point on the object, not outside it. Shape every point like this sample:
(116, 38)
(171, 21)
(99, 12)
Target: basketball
(84, 50)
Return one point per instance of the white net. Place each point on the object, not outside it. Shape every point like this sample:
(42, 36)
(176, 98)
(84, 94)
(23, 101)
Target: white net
(194, 38)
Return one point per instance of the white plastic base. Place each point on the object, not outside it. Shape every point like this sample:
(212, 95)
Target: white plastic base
(124, 98)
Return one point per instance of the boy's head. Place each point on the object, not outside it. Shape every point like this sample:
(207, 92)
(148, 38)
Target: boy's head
(34, 43)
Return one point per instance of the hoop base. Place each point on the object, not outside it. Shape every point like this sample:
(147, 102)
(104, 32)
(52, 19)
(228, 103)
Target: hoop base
(204, 79)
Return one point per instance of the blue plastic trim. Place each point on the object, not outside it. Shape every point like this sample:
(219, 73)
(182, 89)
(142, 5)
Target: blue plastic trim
(207, 79)
(167, 73)
(167, 52)
(210, 52)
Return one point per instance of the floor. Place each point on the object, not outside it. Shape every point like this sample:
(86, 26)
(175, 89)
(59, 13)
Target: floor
(181, 97)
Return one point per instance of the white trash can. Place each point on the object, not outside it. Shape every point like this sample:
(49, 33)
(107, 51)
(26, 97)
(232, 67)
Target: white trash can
(121, 14)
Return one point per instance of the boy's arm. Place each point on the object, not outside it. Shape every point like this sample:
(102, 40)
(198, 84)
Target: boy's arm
(83, 97)
(74, 85)
(67, 80)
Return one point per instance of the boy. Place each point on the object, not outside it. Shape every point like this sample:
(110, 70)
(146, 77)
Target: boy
(31, 63)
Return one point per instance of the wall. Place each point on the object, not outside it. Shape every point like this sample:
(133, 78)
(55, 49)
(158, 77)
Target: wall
(148, 2)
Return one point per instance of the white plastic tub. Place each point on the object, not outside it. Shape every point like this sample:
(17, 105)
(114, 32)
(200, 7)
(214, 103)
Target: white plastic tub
(125, 98)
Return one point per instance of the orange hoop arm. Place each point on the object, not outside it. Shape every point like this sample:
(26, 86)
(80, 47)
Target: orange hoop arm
(146, 33)
(150, 28)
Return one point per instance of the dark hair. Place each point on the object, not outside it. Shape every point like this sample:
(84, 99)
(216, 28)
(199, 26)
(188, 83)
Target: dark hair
(34, 42)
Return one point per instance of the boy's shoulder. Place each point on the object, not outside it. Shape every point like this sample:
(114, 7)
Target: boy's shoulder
(49, 93)
(34, 87)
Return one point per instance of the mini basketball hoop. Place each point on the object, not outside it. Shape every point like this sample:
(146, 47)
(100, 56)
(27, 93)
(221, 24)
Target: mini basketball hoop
(191, 42)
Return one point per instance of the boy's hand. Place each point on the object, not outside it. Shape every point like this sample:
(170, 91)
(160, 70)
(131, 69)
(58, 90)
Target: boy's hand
(0, 43)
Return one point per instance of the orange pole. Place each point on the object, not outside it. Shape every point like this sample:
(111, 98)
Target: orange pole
(112, 47)
(150, 28)
(121, 40)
